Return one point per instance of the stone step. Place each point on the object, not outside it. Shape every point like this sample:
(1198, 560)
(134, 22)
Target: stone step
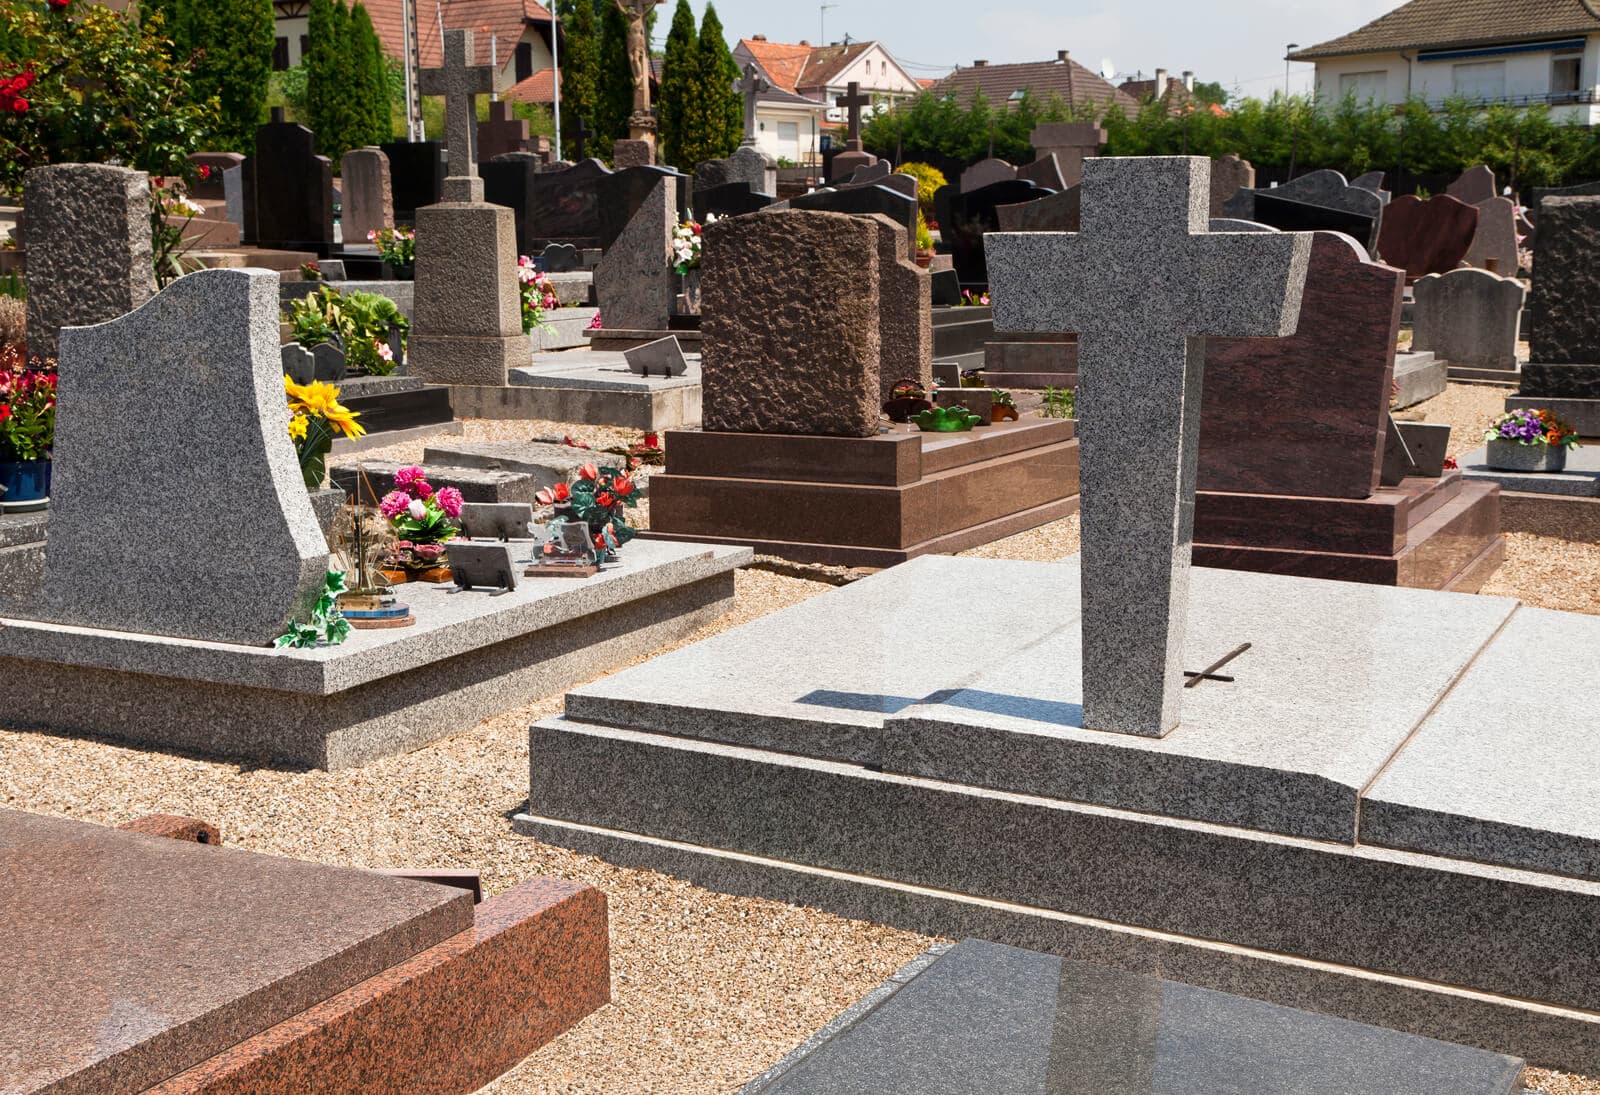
(1420, 376)
(547, 463)
(475, 484)
(407, 407)
(1462, 374)
(962, 335)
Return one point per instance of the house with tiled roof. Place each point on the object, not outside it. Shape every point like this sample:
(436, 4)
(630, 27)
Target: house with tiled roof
(1063, 77)
(1517, 52)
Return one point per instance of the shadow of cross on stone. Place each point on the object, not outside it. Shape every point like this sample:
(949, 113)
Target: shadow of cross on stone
(1141, 285)
(460, 82)
(852, 100)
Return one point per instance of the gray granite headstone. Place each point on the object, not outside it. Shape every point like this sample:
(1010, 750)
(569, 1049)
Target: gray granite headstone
(1494, 245)
(1474, 186)
(1565, 302)
(633, 282)
(460, 81)
(328, 364)
(233, 193)
(232, 550)
(869, 173)
(89, 252)
(1325, 188)
(368, 196)
(1373, 181)
(1469, 318)
(1141, 350)
(1229, 175)
(663, 357)
(986, 173)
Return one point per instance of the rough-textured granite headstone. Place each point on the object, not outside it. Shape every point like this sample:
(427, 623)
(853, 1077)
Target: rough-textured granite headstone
(1468, 318)
(1372, 180)
(501, 132)
(1495, 242)
(633, 283)
(746, 165)
(560, 258)
(626, 154)
(1229, 175)
(1474, 186)
(368, 197)
(1141, 353)
(1324, 188)
(1054, 213)
(250, 554)
(865, 200)
(731, 200)
(663, 357)
(1566, 283)
(293, 189)
(1071, 142)
(1426, 236)
(1305, 415)
(905, 312)
(986, 173)
(416, 176)
(88, 247)
(964, 220)
(1045, 172)
(790, 335)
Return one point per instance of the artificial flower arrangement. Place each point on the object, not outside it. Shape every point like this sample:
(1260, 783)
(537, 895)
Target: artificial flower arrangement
(600, 498)
(324, 625)
(315, 417)
(538, 294)
(310, 271)
(907, 398)
(594, 324)
(953, 419)
(396, 246)
(969, 299)
(687, 244)
(1526, 426)
(424, 520)
(27, 407)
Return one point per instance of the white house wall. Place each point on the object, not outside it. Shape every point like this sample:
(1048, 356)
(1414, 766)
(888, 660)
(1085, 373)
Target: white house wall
(886, 77)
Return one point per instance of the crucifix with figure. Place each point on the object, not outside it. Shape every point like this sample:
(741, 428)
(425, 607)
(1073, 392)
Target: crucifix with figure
(461, 82)
(1142, 283)
(641, 123)
(752, 87)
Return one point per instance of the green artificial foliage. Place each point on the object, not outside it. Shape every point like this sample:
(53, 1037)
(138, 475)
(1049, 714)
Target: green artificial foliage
(580, 74)
(946, 420)
(325, 626)
(679, 76)
(614, 82)
(233, 42)
(717, 119)
(369, 83)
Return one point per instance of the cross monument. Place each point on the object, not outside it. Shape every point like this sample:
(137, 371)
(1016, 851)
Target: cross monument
(460, 82)
(752, 87)
(852, 100)
(1142, 284)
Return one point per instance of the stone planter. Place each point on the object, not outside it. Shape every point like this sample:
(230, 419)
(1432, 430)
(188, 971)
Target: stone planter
(393, 272)
(1512, 456)
(24, 485)
(1002, 413)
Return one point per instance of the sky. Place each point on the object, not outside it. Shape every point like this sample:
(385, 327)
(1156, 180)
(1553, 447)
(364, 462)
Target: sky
(1234, 42)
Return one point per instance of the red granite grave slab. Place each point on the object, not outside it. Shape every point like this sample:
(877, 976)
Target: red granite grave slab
(130, 957)
(1305, 415)
(1426, 236)
(448, 1020)
(1379, 525)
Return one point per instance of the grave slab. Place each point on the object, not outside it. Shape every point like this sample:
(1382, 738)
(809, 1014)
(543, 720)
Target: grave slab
(1420, 375)
(591, 386)
(986, 1017)
(1581, 479)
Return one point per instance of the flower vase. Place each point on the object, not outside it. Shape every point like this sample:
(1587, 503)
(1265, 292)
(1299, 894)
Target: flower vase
(689, 293)
(397, 272)
(1515, 456)
(26, 485)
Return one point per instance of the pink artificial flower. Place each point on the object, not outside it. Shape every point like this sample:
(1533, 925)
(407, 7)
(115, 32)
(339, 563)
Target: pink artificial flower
(382, 349)
(423, 488)
(594, 324)
(428, 552)
(394, 504)
(407, 476)
(418, 509)
(449, 500)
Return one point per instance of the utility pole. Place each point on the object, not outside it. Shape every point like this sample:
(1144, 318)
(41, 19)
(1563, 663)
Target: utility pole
(555, 63)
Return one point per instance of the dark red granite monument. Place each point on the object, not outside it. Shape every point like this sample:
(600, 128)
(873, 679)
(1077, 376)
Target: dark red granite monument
(1291, 449)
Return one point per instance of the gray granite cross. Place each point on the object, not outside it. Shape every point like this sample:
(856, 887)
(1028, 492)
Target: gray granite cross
(1142, 283)
(460, 82)
(752, 87)
(852, 100)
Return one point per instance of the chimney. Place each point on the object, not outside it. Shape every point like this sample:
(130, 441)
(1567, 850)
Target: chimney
(1062, 56)
(980, 64)
(758, 38)
(1161, 82)
(1188, 80)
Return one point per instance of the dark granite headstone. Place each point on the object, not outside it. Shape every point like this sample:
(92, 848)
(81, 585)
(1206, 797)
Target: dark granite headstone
(1053, 213)
(1426, 236)
(965, 217)
(863, 200)
(946, 288)
(416, 176)
(1288, 215)
(559, 258)
(991, 1018)
(1324, 188)
(1045, 171)
(293, 189)
(501, 133)
(729, 200)
(507, 179)
(1566, 283)
(588, 205)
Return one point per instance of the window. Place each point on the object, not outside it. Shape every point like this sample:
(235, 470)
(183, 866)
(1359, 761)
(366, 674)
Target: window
(524, 61)
(1483, 80)
(305, 46)
(869, 68)
(1566, 74)
(280, 55)
(789, 139)
(1365, 86)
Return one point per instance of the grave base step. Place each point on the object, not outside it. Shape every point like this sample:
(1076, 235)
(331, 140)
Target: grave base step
(1465, 374)
(475, 484)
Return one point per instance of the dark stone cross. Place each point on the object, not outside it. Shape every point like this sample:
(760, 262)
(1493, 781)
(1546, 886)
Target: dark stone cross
(853, 101)
(583, 136)
(1141, 284)
(751, 87)
(460, 82)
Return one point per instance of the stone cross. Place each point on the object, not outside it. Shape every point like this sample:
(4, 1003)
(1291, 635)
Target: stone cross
(751, 87)
(853, 101)
(1141, 284)
(460, 82)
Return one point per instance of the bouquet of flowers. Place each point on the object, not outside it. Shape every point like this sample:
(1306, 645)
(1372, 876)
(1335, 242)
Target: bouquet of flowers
(315, 417)
(600, 498)
(27, 408)
(538, 294)
(686, 244)
(1527, 426)
(396, 246)
(423, 518)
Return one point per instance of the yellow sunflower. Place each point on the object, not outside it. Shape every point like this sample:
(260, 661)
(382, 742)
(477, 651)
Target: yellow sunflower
(297, 427)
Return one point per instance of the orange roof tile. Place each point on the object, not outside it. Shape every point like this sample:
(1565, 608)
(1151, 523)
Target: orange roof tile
(784, 64)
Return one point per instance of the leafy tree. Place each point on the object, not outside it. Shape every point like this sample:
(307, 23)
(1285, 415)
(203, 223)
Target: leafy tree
(675, 105)
(580, 73)
(233, 42)
(1211, 93)
(103, 87)
(177, 21)
(716, 123)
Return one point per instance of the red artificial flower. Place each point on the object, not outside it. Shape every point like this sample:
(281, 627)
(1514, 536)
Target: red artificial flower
(573, 444)
(652, 441)
(5, 411)
(623, 487)
(552, 495)
(204, 172)
(605, 499)
(588, 471)
(59, 5)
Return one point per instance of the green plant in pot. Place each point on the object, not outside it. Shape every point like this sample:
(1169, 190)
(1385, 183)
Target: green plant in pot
(397, 247)
(1004, 406)
(1530, 440)
(27, 429)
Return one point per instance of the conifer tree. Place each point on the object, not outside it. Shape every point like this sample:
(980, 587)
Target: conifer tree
(580, 73)
(679, 76)
(233, 42)
(614, 80)
(369, 68)
(717, 124)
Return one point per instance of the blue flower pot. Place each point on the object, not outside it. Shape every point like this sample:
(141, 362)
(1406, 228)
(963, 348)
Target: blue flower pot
(24, 481)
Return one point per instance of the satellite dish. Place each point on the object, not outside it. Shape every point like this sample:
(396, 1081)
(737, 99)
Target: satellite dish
(1108, 71)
